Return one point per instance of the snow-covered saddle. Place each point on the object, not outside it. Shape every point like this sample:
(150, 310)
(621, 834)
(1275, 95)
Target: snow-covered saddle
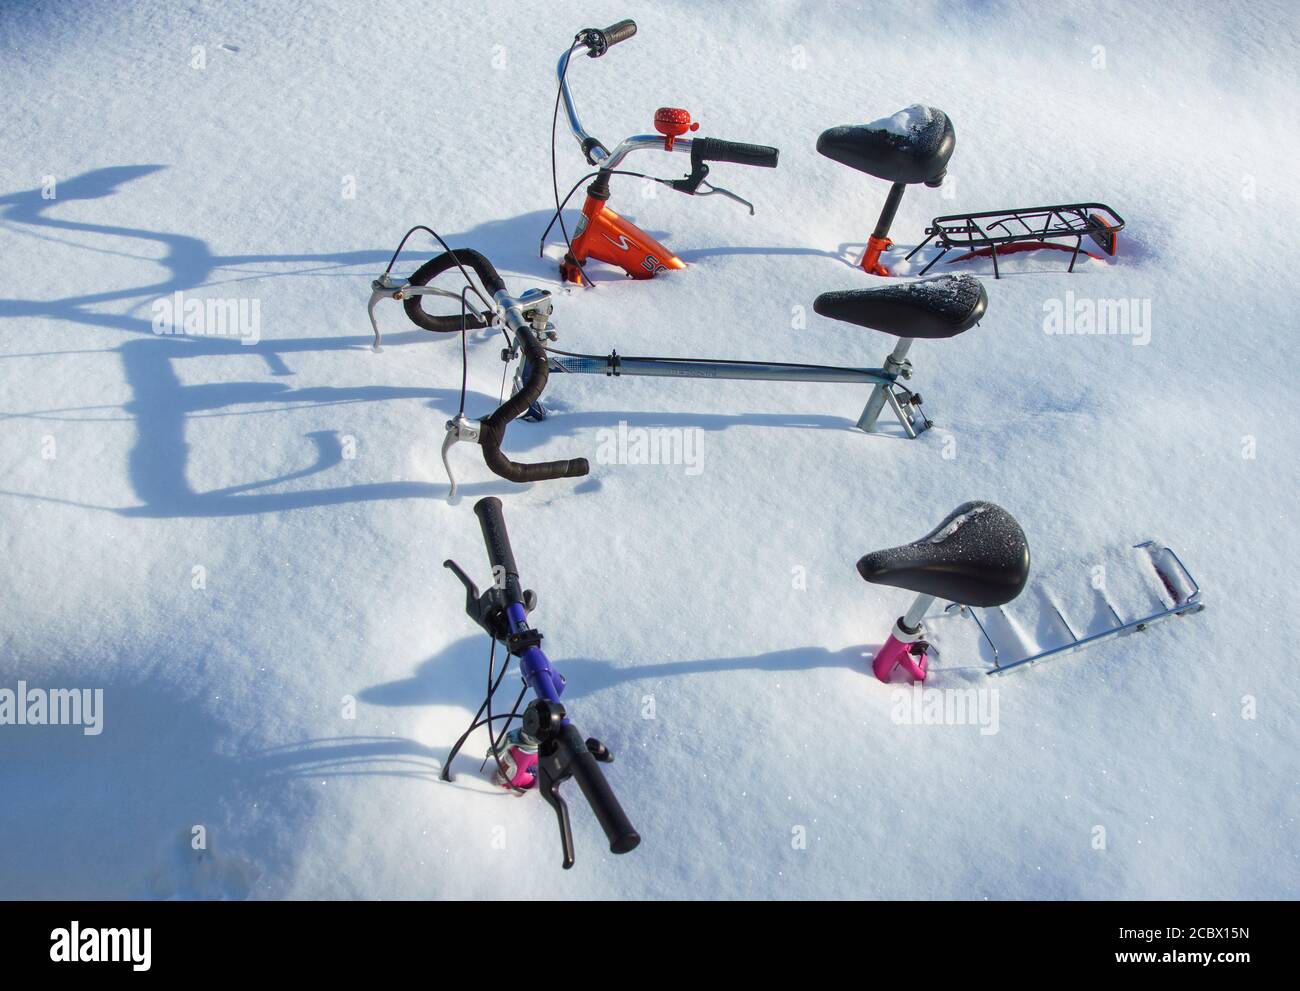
(978, 556)
(913, 145)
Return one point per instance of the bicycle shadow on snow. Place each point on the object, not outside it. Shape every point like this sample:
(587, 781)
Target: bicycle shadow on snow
(452, 677)
(114, 815)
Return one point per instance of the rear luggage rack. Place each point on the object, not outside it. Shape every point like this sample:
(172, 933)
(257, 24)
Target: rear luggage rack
(1027, 229)
(1182, 597)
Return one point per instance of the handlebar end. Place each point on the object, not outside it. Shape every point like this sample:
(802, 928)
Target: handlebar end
(626, 843)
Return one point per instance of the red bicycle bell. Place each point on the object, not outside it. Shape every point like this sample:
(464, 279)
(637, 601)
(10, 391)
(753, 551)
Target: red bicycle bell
(672, 123)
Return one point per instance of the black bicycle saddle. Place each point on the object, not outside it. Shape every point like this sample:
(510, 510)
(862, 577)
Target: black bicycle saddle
(913, 145)
(941, 306)
(978, 556)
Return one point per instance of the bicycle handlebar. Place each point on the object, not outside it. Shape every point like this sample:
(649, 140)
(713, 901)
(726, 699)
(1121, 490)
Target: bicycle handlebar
(491, 431)
(433, 268)
(493, 428)
(597, 42)
(562, 751)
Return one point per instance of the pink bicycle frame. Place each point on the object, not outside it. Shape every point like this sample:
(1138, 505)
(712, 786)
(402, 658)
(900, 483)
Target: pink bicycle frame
(906, 646)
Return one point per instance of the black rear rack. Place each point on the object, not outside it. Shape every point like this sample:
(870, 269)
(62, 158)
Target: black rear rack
(1023, 230)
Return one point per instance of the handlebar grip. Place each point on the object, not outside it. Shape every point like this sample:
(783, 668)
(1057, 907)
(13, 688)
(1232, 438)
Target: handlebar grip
(620, 31)
(623, 838)
(600, 41)
(433, 268)
(493, 524)
(737, 152)
(513, 471)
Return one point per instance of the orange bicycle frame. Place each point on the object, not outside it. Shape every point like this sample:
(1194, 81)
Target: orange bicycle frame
(608, 237)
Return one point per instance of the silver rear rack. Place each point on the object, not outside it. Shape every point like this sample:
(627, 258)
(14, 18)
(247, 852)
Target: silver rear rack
(1181, 603)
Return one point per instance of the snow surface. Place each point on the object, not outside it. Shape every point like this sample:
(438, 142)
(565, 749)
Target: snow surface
(724, 602)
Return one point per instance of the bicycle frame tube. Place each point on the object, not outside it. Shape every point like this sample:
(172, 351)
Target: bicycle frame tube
(885, 381)
(617, 365)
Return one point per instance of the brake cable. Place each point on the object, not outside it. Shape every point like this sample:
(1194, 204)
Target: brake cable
(485, 316)
(493, 741)
(479, 721)
(454, 257)
(505, 370)
(487, 701)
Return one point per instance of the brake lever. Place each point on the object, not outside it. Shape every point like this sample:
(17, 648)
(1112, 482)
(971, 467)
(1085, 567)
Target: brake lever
(713, 190)
(471, 590)
(488, 609)
(551, 772)
(389, 287)
(542, 721)
(380, 288)
(695, 185)
(461, 428)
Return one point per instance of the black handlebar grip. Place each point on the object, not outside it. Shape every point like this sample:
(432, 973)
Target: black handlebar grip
(600, 41)
(493, 524)
(433, 268)
(514, 471)
(737, 152)
(621, 31)
(623, 838)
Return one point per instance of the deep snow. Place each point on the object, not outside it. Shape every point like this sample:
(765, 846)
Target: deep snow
(302, 475)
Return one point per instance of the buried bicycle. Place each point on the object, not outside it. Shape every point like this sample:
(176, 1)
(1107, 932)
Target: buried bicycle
(546, 749)
(978, 558)
(602, 233)
(930, 309)
(913, 147)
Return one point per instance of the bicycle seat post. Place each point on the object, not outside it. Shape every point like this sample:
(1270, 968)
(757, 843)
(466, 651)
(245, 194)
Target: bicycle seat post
(977, 556)
(912, 618)
(930, 309)
(895, 364)
(912, 146)
(879, 240)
